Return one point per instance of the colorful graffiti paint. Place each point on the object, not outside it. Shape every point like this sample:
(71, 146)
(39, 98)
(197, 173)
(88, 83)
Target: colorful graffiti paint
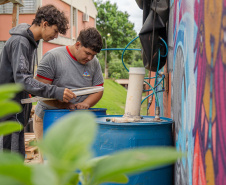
(183, 86)
(199, 90)
(210, 122)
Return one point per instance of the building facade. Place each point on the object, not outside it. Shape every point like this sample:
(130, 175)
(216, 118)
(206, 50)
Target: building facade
(81, 14)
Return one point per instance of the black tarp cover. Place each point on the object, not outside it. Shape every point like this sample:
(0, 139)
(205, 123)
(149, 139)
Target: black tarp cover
(155, 17)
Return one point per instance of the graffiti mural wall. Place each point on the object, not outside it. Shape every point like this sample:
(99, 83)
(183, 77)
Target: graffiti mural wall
(197, 64)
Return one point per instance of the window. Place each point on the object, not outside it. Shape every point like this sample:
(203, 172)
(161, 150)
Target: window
(30, 6)
(74, 17)
(74, 23)
(6, 8)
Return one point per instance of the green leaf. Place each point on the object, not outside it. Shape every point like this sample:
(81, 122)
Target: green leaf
(90, 164)
(74, 179)
(9, 107)
(9, 181)
(43, 175)
(8, 91)
(17, 172)
(134, 161)
(72, 136)
(12, 169)
(88, 171)
(9, 127)
(119, 178)
(8, 157)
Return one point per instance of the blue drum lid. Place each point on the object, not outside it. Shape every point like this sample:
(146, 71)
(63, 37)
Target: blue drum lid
(147, 120)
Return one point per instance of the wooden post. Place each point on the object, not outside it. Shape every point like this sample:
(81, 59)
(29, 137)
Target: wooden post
(15, 16)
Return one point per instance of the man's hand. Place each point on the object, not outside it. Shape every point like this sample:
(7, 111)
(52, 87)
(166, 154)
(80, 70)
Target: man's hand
(71, 106)
(68, 95)
(82, 105)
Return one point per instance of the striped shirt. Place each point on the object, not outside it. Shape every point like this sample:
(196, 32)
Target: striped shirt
(63, 70)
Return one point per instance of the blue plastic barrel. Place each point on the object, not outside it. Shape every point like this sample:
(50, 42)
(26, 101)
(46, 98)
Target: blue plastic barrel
(113, 137)
(52, 115)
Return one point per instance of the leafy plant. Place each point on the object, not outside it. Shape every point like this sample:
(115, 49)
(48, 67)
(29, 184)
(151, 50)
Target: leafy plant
(67, 148)
(7, 107)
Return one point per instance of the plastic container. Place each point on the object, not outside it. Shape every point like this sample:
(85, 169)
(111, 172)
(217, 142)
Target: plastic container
(53, 115)
(113, 137)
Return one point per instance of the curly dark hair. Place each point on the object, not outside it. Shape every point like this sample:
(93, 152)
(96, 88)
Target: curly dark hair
(53, 16)
(90, 38)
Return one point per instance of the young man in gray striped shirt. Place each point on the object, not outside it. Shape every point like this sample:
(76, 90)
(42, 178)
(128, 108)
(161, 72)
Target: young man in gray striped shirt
(74, 66)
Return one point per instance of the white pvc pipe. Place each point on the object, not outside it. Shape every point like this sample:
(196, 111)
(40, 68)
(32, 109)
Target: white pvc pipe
(134, 94)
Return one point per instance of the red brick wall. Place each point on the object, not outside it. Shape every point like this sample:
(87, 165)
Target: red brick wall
(6, 23)
(82, 24)
(48, 46)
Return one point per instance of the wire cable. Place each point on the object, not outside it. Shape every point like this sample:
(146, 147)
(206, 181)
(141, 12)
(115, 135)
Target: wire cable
(124, 52)
(165, 46)
(151, 95)
(157, 84)
(156, 97)
(120, 49)
(156, 76)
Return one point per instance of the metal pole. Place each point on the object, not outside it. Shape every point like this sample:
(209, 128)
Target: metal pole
(105, 66)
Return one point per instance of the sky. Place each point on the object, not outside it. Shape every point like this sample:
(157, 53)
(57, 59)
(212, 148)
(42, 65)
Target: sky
(131, 7)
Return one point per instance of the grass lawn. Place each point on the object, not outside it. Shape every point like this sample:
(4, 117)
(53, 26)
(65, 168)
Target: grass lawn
(114, 99)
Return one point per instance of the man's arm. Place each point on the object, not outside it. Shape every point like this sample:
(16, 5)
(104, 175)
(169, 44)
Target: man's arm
(54, 103)
(90, 101)
(21, 74)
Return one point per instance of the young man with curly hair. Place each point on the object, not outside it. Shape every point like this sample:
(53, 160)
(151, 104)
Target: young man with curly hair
(74, 66)
(17, 61)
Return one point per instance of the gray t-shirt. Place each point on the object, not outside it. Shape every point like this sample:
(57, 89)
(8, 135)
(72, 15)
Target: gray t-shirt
(60, 67)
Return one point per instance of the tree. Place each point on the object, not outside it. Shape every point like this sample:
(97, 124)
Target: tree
(115, 27)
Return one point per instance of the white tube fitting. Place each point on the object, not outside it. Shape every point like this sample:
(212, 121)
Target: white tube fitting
(134, 94)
